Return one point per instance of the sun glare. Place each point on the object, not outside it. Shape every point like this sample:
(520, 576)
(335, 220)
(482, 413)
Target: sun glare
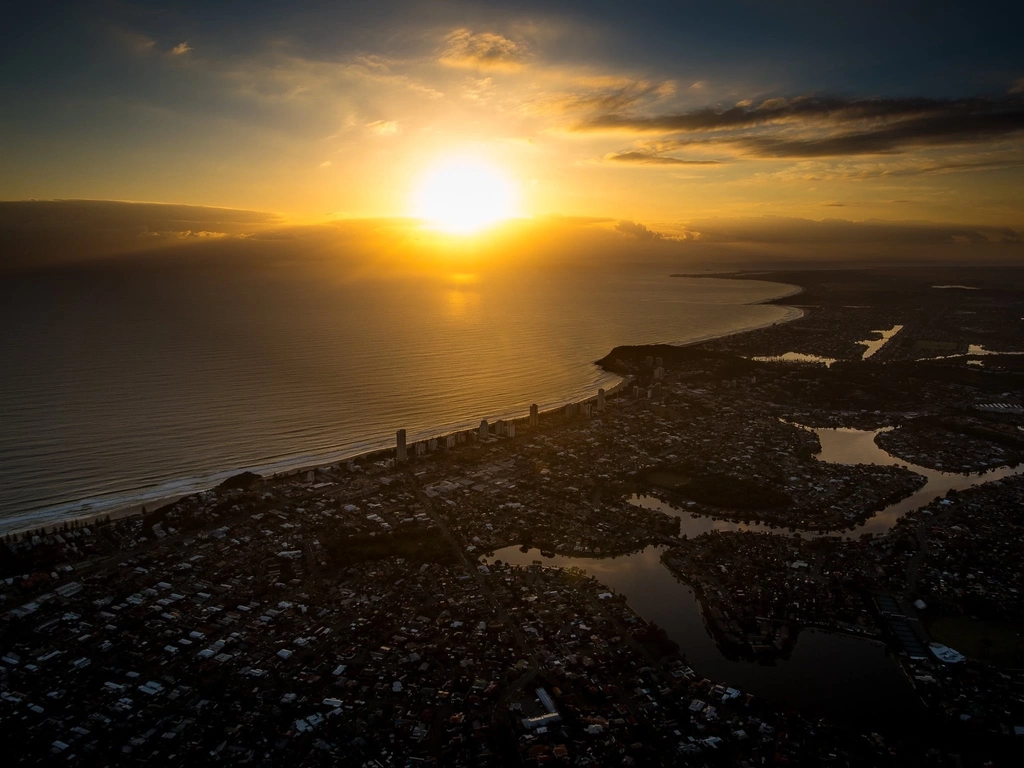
(464, 196)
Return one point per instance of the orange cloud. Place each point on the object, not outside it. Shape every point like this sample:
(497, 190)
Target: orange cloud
(649, 158)
(383, 127)
(482, 50)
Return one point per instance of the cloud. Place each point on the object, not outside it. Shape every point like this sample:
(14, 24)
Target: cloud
(812, 126)
(666, 89)
(1018, 87)
(43, 233)
(927, 131)
(864, 169)
(783, 230)
(96, 234)
(639, 231)
(134, 42)
(482, 50)
(180, 49)
(858, 203)
(648, 158)
(326, 164)
(598, 95)
(188, 234)
(383, 127)
(746, 115)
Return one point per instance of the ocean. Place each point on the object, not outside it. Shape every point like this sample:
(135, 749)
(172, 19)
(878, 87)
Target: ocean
(126, 383)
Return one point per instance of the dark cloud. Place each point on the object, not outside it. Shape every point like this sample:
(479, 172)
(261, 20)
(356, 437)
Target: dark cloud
(118, 215)
(86, 236)
(812, 126)
(785, 230)
(834, 110)
(40, 233)
(954, 166)
(933, 130)
(648, 158)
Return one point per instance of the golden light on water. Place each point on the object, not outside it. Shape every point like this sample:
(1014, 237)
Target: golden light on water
(463, 196)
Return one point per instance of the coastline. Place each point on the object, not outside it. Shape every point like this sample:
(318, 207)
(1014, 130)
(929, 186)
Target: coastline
(379, 450)
(755, 277)
(86, 511)
(792, 313)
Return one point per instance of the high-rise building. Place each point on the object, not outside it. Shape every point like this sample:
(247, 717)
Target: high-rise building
(400, 452)
(450, 441)
(648, 362)
(510, 429)
(659, 373)
(534, 415)
(659, 363)
(600, 400)
(587, 409)
(484, 431)
(432, 445)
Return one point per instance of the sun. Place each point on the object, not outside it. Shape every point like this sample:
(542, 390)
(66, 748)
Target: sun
(464, 196)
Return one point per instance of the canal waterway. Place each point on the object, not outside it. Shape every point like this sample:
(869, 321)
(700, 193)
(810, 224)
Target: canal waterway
(845, 446)
(871, 346)
(840, 676)
(830, 674)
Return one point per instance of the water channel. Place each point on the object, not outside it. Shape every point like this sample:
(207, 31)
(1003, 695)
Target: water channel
(839, 676)
(846, 446)
(871, 346)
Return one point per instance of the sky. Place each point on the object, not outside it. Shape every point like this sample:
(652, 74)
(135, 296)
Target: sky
(678, 121)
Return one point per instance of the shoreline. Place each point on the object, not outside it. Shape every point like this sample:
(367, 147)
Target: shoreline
(364, 453)
(749, 276)
(793, 313)
(51, 518)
